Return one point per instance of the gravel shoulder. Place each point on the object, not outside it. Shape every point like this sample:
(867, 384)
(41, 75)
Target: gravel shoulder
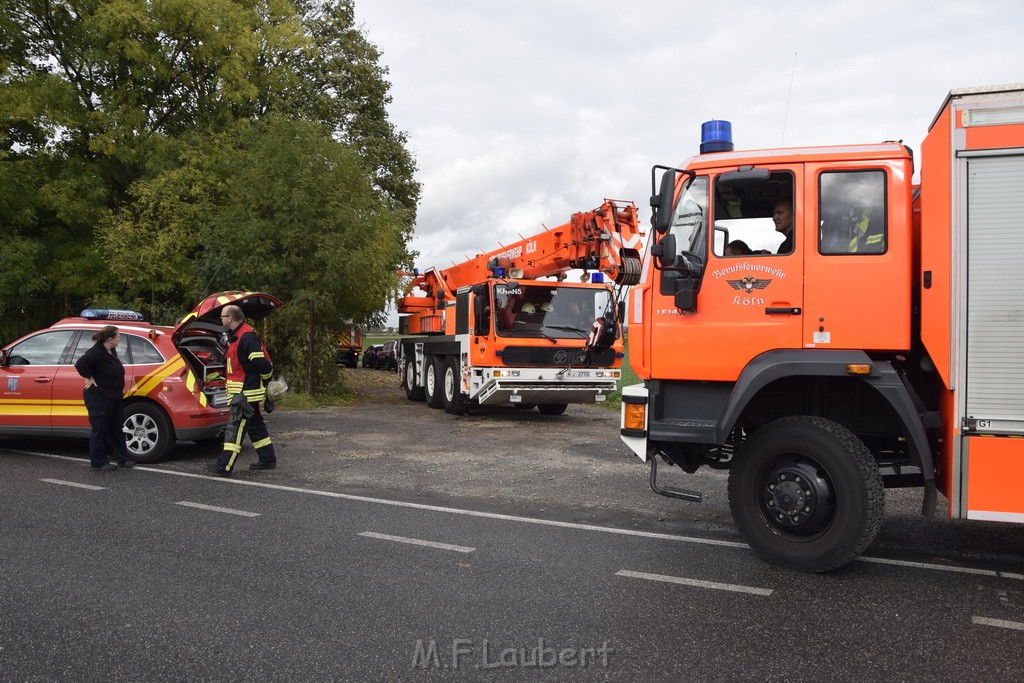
(497, 458)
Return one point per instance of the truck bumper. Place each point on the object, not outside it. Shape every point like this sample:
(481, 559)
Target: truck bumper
(633, 419)
(545, 385)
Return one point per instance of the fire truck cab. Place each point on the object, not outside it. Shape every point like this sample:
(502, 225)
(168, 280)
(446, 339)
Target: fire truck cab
(877, 347)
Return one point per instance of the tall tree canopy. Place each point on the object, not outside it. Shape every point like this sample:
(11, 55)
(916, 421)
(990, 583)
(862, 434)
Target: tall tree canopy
(166, 149)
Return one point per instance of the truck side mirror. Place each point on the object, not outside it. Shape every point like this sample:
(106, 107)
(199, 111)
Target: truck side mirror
(685, 299)
(662, 202)
(665, 251)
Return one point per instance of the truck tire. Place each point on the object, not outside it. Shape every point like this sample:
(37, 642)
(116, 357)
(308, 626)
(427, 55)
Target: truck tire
(432, 382)
(148, 432)
(454, 402)
(806, 494)
(552, 408)
(412, 392)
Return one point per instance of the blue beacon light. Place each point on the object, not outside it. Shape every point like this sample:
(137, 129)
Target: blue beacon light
(715, 136)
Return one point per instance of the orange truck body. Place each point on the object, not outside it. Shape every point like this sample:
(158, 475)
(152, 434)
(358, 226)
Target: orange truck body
(507, 328)
(349, 345)
(882, 350)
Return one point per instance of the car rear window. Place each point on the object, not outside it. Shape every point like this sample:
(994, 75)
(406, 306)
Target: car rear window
(85, 343)
(141, 351)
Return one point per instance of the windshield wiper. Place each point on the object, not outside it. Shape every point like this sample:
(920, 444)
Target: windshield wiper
(569, 328)
(547, 336)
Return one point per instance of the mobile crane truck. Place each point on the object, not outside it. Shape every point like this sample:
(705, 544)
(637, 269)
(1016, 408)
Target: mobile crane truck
(489, 331)
(883, 349)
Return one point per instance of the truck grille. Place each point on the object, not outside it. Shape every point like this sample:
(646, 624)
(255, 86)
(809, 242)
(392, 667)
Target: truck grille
(553, 356)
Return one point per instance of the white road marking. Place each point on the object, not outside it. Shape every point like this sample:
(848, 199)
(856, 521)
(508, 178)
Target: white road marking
(74, 483)
(998, 623)
(213, 508)
(424, 506)
(943, 568)
(697, 583)
(526, 520)
(416, 541)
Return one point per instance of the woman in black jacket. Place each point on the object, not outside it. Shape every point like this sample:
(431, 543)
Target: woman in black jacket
(104, 399)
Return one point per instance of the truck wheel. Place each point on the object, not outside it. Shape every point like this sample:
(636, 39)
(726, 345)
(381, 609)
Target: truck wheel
(454, 402)
(806, 494)
(432, 382)
(353, 362)
(552, 408)
(412, 392)
(148, 432)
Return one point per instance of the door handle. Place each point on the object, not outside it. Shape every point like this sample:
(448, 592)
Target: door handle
(42, 380)
(781, 311)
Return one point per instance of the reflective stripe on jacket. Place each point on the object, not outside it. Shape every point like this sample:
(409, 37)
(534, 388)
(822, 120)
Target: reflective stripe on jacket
(247, 364)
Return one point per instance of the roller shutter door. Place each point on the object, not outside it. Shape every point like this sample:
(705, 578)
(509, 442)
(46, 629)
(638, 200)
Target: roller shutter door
(995, 293)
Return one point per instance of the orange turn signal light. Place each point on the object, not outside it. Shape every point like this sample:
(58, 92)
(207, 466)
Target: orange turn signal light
(858, 369)
(633, 416)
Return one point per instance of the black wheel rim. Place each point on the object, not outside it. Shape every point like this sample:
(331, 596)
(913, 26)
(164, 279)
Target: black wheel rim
(796, 497)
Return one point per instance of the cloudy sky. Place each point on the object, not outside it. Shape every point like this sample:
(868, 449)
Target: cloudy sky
(522, 112)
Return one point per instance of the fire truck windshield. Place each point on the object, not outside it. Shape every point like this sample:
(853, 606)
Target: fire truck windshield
(548, 311)
(688, 220)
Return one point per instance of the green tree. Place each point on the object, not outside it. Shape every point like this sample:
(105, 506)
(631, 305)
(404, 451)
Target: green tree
(277, 206)
(179, 147)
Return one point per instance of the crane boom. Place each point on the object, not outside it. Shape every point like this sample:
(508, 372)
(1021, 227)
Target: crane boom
(607, 239)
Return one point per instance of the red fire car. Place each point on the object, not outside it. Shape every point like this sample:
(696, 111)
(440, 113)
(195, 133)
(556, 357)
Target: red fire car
(174, 376)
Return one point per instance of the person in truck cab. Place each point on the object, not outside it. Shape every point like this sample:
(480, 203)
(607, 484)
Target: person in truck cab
(782, 216)
(737, 248)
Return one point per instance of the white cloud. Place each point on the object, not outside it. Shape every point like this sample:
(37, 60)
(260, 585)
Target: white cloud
(523, 113)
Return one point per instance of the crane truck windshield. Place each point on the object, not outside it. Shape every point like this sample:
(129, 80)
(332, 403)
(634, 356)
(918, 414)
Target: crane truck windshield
(546, 311)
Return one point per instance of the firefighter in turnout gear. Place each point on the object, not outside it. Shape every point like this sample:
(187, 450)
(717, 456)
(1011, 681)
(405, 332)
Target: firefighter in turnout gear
(248, 369)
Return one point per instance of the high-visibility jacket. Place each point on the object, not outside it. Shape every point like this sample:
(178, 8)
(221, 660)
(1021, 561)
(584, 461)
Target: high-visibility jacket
(863, 240)
(247, 364)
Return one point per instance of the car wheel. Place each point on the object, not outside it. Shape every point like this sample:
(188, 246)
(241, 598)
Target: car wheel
(148, 432)
(552, 408)
(432, 382)
(412, 392)
(806, 494)
(454, 402)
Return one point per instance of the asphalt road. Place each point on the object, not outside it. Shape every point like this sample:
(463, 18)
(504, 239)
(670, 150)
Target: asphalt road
(399, 543)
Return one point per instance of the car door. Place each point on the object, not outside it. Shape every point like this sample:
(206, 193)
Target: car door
(67, 402)
(26, 381)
